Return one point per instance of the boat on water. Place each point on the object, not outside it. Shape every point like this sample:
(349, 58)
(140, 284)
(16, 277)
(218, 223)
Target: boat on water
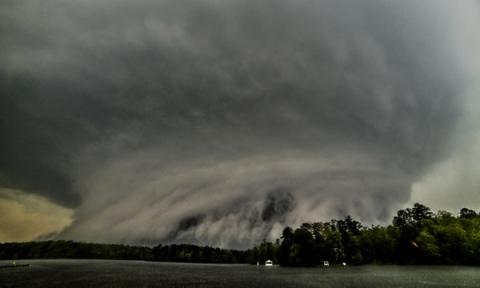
(268, 263)
(14, 265)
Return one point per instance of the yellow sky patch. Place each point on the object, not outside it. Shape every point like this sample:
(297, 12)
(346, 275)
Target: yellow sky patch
(23, 217)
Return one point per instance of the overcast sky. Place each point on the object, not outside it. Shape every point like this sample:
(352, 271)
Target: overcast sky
(221, 122)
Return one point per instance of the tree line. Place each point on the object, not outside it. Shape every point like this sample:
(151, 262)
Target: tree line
(79, 250)
(72, 250)
(416, 236)
(197, 254)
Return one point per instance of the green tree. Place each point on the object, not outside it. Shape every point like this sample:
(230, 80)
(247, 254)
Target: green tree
(467, 213)
(285, 248)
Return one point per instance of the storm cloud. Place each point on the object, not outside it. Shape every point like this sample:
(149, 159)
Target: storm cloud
(220, 122)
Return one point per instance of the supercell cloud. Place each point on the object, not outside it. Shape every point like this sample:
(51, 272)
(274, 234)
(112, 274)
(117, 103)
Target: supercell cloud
(220, 122)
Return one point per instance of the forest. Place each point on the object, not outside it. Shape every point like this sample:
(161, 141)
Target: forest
(416, 236)
(79, 250)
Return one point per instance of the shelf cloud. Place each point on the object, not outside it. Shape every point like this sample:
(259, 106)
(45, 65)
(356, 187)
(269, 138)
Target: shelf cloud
(221, 122)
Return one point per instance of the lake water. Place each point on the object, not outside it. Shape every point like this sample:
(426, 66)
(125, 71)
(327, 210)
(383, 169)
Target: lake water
(106, 273)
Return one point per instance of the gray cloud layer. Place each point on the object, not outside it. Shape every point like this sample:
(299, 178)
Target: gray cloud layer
(218, 122)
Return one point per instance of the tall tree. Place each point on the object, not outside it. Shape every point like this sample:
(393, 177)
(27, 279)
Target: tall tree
(467, 213)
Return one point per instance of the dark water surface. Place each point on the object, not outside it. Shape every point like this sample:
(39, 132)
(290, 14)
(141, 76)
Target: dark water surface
(106, 273)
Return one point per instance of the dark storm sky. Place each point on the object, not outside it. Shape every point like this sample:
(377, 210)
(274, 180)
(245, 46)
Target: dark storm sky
(220, 122)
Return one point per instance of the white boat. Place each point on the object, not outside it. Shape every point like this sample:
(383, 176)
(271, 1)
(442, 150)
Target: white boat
(268, 263)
